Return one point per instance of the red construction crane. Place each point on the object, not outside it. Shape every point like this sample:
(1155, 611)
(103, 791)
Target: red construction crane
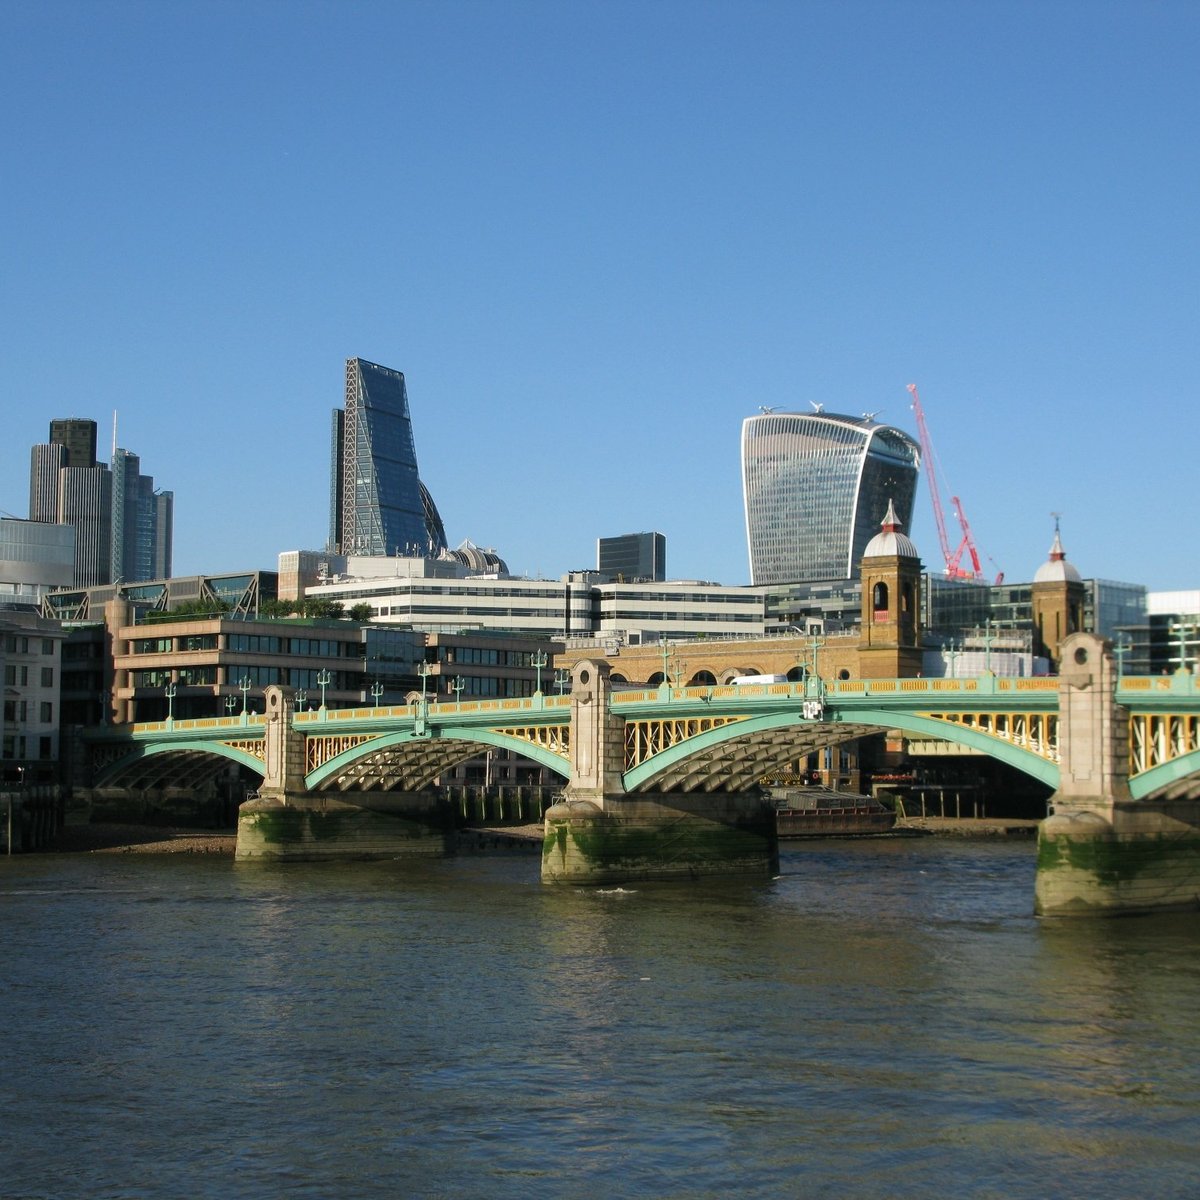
(952, 559)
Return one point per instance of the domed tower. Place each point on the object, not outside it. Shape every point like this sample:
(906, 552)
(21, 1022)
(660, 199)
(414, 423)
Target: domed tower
(890, 644)
(1058, 596)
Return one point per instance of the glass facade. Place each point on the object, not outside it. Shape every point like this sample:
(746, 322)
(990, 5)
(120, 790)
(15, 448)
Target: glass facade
(142, 522)
(632, 556)
(816, 487)
(378, 505)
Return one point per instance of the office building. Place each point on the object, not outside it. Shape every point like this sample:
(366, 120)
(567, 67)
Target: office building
(35, 557)
(816, 487)
(454, 594)
(142, 522)
(632, 557)
(378, 505)
(1165, 639)
(123, 527)
(30, 648)
(77, 437)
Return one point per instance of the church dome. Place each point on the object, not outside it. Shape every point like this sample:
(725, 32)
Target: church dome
(1056, 569)
(889, 541)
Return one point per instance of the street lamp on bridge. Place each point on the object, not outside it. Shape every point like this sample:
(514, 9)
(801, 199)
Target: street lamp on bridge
(538, 660)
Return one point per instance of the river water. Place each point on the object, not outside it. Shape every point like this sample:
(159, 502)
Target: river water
(884, 1019)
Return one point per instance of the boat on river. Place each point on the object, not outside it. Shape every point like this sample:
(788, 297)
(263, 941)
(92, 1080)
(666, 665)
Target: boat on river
(815, 811)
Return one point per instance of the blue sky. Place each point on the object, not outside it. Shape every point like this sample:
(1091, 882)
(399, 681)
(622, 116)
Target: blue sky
(595, 237)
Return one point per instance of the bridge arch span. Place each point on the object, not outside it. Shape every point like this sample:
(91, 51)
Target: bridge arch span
(1176, 770)
(670, 765)
(429, 755)
(204, 759)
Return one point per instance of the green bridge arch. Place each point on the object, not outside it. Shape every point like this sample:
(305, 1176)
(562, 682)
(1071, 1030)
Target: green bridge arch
(110, 775)
(1015, 756)
(1148, 782)
(486, 737)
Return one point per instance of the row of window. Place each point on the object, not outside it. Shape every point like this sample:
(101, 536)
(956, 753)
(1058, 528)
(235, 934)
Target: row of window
(252, 643)
(15, 747)
(16, 643)
(16, 712)
(487, 656)
(17, 675)
(255, 678)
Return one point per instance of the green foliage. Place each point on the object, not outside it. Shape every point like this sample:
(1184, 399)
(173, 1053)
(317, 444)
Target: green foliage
(211, 607)
(360, 612)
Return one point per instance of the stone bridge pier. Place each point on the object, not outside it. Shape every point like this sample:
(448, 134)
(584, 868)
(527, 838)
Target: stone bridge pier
(1101, 852)
(285, 821)
(599, 833)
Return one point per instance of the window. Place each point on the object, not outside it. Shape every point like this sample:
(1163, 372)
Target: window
(46, 712)
(47, 677)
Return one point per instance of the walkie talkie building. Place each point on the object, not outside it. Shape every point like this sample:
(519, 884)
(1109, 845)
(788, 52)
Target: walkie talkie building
(816, 487)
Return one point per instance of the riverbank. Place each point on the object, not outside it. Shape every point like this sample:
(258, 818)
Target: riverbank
(475, 839)
(141, 839)
(971, 827)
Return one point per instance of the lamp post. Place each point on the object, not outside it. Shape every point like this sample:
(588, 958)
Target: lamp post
(562, 677)
(456, 687)
(244, 687)
(323, 681)
(230, 704)
(376, 691)
(301, 699)
(424, 670)
(169, 691)
(538, 660)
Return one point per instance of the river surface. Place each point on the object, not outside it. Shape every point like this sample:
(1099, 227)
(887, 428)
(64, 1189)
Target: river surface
(884, 1019)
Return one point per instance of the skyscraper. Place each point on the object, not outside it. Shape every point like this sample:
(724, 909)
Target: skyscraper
(142, 522)
(123, 527)
(816, 487)
(378, 504)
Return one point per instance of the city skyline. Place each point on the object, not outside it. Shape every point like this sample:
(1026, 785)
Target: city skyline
(122, 524)
(594, 255)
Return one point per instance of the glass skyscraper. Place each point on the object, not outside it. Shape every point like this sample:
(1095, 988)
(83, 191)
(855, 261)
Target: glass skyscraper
(123, 527)
(142, 522)
(378, 505)
(815, 488)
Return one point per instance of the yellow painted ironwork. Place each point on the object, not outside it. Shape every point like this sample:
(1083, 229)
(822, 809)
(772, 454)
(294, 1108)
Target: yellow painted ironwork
(1035, 732)
(255, 747)
(1157, 738)
(644, 739)
(555, 738)
(320, 748)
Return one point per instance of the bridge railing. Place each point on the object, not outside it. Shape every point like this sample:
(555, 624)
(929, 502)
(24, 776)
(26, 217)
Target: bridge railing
(504, 706)
(1135, 687)
(982, 685)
